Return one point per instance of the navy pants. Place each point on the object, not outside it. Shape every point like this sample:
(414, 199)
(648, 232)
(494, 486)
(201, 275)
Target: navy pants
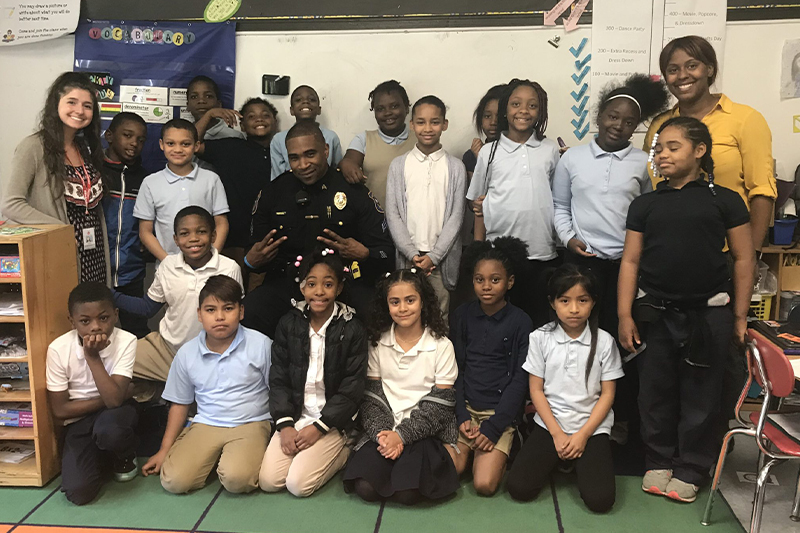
(90, 445)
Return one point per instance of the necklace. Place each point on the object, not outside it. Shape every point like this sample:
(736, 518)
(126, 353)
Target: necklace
(398, 338)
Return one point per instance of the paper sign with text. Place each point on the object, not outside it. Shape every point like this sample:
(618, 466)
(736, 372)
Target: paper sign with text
(30, 22)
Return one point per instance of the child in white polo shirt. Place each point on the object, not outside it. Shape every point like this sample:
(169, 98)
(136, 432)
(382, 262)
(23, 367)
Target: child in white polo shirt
(225, 370)
(178, 282)
(88, 376)
(425, 193)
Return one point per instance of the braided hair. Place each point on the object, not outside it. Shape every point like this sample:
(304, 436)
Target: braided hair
(390, 86)
(495, 93)
(502, 111)
(697, 133)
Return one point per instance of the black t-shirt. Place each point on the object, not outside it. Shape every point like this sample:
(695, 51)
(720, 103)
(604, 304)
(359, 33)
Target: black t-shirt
(244, 169)
(684, 238)
(470, 160)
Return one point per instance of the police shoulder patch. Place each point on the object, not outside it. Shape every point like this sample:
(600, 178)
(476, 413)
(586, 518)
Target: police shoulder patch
(378, 207)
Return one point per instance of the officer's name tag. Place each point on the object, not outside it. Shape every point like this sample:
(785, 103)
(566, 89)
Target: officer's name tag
(89, 242)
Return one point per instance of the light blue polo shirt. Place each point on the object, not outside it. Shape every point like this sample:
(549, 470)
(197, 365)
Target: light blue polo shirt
(279, 156)
(164, 193)
(517, 185)
(232, 388)
(592, 191)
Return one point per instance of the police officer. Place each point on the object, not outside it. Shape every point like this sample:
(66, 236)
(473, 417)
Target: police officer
(313, 206)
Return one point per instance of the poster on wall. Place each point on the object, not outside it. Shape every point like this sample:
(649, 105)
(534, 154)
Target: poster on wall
(790, 70)
(29, 22)
(145, 67)
(705, 18)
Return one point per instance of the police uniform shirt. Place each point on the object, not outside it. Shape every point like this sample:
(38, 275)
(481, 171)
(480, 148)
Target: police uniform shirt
(301, 213)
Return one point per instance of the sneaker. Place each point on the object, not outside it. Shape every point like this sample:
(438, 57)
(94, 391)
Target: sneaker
(656, 481)
(125, 469)
(681, 491)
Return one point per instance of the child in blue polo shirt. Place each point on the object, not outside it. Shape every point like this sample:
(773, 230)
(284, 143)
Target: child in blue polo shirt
(304, 106)
(225, 370)
(182, 183)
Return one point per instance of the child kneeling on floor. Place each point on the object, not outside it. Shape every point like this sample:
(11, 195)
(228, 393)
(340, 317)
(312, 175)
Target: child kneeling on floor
(89, 371)
(573, 366)
(408, 449)
(225, 370)
(317, 378)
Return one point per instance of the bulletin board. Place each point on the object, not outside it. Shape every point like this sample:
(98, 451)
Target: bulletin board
(144, 67)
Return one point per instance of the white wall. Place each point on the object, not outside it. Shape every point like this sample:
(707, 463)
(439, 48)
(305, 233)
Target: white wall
(456, 65)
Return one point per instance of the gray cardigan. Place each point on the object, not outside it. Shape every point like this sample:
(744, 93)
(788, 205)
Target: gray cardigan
(29, 196)
(446, 253)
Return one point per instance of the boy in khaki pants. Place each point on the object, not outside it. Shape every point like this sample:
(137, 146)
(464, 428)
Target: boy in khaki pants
(225, 369)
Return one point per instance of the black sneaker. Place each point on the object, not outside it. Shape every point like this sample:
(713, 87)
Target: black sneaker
(125, 469)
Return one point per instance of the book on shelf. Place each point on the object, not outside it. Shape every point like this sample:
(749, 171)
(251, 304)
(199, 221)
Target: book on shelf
(18, 415)
(15, 452)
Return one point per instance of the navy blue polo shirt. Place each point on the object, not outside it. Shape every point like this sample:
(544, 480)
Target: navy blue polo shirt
(490, 351)
(243, 167)
(685, 229)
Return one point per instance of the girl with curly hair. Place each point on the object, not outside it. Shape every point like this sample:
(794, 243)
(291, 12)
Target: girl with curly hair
(408, 449)
(55, 173)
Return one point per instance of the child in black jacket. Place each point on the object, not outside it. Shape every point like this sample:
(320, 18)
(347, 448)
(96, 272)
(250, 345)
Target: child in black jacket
(317, 378)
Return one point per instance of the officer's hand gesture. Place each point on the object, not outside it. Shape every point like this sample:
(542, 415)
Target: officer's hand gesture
(265, 250)
(350, 249)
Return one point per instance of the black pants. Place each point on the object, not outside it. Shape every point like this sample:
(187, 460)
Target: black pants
(680, 403)
(537, 459)
(530, 290)
(90, 444)
(265, 305)
(136, 324)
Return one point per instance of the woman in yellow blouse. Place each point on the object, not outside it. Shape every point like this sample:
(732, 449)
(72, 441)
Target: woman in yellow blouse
(742, 148)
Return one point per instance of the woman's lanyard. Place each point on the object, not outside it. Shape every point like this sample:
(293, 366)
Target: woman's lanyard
(86, 180)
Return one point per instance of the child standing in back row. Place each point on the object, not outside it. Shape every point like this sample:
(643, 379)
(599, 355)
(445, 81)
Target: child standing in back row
(511, 190)
(304, 106)
(371, 152)
(123, 175)
(675, 296)
(490, 337)
(181, 184)
(425, 200)
(573, 366)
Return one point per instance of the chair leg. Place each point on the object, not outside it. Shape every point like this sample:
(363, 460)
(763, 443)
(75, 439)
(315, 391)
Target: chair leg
(717, 474)
(758, 501)
(796, 507)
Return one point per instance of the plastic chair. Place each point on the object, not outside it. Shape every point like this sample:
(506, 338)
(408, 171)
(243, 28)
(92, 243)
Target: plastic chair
(771, 369)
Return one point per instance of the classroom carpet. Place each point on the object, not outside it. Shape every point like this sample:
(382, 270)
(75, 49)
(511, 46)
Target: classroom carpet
(142, 505)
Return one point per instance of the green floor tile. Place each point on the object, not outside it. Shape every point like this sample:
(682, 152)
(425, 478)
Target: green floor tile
(19, 501)
(330, 510)
(635, 510)
(140, 503)
(468, 512)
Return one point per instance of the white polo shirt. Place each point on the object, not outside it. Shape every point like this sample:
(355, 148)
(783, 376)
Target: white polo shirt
(178, 285)
(518, 189)
(408, 376)
(426, 178)
(314, 389)
(67, 369)
(561, 362)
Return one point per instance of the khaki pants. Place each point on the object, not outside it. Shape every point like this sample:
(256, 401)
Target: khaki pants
(153, 358)
(306, 472)
(441, 293)
(239, 451)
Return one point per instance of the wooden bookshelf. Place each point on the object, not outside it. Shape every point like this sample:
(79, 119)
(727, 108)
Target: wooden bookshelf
(48, 263)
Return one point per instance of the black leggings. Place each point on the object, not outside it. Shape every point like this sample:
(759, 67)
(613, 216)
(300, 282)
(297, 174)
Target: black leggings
(537, 459)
